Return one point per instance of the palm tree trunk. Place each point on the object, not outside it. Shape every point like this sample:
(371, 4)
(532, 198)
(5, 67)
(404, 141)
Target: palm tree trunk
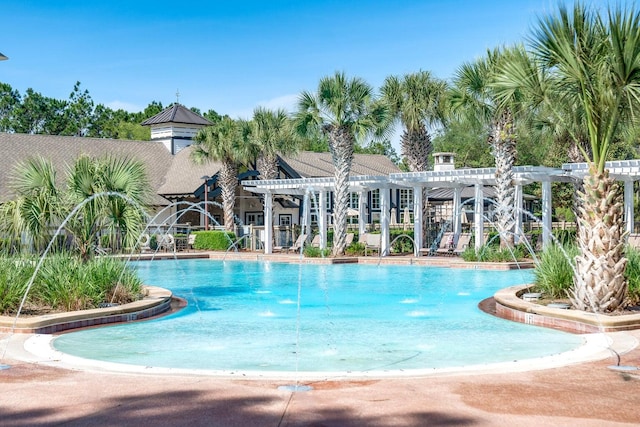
(417, 147)
(599, 282)
(268, 166)
(503, 146)
(341, 147)
(228, 181)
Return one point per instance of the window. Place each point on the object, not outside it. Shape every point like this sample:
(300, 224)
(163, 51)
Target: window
(354, 200)
(285, 219)
(375, 199)
(406, 198)
(255, 218)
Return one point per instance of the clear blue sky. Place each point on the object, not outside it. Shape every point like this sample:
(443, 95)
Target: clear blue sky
(232, 56)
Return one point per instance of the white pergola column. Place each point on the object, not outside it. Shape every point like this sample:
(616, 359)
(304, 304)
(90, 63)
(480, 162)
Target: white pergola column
(268, 222)
(478, 216)
(546, 213)
(628, 205)
(418, 238)
(306, 213)
(457, 217)
(518, 212)
(322, 218)
(384, 221)
(362, 213)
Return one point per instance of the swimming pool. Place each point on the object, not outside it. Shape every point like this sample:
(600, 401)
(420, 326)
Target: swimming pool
(244, 316)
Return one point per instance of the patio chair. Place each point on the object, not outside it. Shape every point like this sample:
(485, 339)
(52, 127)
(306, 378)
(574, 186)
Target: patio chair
(316, 241)
(145, 243)
(463, 243)
(371, 242)
(295, 247)
(166, 242)
(299, 243)
(446, 244)
(350, 237)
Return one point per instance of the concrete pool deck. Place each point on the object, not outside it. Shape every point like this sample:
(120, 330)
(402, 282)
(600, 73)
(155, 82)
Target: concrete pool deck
(38, 390)
(584, 394)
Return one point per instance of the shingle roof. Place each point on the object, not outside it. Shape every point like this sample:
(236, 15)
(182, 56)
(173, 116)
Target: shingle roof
(314, 165)
(177, 114)
(184, 176)
(63, 150)
(169, 175)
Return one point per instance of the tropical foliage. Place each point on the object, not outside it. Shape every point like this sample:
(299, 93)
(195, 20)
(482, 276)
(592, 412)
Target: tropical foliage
(229, 142)
(344, 110)
(101, 196)
(587, 75)
(65, 283)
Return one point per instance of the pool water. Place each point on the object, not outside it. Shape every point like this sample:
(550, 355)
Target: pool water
(245, 316)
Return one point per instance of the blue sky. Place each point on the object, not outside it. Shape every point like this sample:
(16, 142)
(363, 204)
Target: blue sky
(232, 56)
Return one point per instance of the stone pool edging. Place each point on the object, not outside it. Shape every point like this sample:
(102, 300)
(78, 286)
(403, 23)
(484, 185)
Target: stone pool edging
(156, 301)
(510, 306)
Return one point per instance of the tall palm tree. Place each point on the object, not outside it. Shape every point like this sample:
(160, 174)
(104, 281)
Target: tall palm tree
(344, 110)
(228, 142)
(594, 65)
(475, 95)
(591, 84)
(274, 133)
(417, 101)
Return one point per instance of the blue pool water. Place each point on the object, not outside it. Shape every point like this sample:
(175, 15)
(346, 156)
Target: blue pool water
(244, 316)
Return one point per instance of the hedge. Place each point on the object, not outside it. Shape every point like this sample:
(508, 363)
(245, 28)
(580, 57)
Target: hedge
(213, 240)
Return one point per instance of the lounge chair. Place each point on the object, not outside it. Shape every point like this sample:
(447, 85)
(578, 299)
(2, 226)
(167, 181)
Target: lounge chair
(316, 241)
(446, 244)
(463, 243)
(349, 240)
(297, 245)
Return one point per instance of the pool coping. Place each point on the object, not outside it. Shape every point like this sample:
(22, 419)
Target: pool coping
(156, 301)
(510, 306)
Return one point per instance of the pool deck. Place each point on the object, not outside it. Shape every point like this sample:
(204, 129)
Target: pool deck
(584, 392)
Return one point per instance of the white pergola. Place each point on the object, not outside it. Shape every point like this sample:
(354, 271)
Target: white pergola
(626, 171)
(457, 179)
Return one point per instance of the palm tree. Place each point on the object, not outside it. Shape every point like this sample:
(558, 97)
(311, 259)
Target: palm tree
(417, 102)
(590, 68)
(228, 142)
(38, 205)
(122, 218)
(42, 206)
(475, 95)
(274, 133)
(593, 63)
(344, 110)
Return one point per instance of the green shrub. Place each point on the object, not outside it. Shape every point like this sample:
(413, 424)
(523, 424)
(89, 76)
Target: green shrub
(213, 240)
(554, 272)
(314, 252)
(632, 273)
(15, 273)
(565, 237)
(492, 253)
(402, 241)
(355, 249)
